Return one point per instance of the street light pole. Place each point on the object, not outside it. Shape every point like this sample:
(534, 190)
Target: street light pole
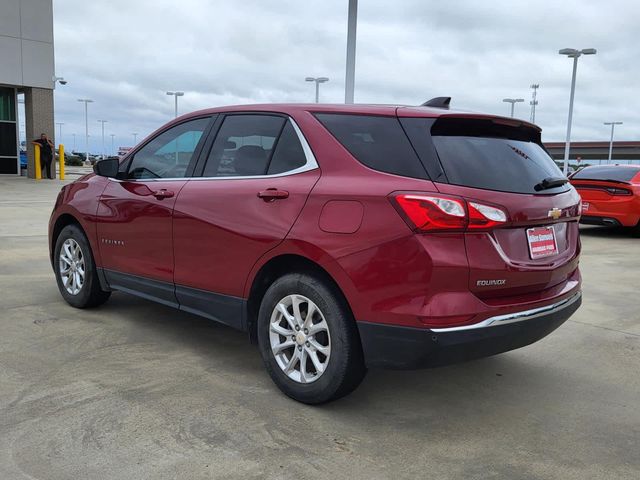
(113, 150)
(60, 129)
(176, 95)
(613, 124)
(318, 81)
(513, 101)
(135, 136)
(103, 122)
(575, 54)
(74, 142)
(350, 77)
(86, 124)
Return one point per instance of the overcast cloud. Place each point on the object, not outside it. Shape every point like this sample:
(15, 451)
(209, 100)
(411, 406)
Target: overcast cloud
(125, 54)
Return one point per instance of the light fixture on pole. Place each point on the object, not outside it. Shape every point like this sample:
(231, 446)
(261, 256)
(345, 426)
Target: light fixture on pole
(86, 124)
(135, 136)
(318, 81)
(534, 102)
(59, 80)
(575, 54)
(60, 130)
(113, 150)
(512, 101)
(613, 125)
(103, 122)
(350, 76)
(176, 95)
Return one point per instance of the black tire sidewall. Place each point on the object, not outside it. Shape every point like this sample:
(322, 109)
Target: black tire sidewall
(86, 295)
(343, 348)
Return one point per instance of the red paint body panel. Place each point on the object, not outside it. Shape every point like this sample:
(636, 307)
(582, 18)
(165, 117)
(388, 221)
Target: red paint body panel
(135, 228)
(221, 228)
(79, 200)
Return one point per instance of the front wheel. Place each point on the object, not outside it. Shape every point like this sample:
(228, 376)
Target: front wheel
(75, 270)
(308, 340)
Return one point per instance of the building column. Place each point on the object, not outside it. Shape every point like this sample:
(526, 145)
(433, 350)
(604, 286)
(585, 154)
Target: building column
(38, 108)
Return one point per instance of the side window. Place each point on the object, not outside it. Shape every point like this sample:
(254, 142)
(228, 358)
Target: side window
(288, 154)
(243, 146)
(168, 155)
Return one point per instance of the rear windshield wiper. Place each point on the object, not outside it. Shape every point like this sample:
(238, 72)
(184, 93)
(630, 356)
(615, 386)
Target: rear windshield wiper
(550, 182)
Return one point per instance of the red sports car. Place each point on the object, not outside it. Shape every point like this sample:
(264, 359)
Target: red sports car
(340, 237)
(610, 195)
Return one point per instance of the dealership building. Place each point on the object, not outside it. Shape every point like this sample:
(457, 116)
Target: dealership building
(596, 153)
(26, 69)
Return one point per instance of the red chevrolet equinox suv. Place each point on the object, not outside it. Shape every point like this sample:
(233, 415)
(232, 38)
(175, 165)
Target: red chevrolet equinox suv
(340, 237)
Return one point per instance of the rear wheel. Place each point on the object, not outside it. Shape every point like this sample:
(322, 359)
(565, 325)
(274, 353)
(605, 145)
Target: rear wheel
(308, 340)
(635, 231)
(75, 270)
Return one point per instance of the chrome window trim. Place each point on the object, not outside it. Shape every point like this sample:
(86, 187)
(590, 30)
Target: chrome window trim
(514, 317)
(310, 164)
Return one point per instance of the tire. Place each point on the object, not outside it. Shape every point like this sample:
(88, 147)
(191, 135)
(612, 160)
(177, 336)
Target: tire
(71, 258)
(331, 334)
(635, 231)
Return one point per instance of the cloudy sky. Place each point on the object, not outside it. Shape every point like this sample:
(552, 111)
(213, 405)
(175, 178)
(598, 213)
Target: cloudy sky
(125, 54)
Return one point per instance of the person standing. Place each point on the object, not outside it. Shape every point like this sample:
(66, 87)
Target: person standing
(46, 153)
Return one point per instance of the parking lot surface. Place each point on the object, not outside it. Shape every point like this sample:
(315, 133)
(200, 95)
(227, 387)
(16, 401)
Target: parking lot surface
(137, 390)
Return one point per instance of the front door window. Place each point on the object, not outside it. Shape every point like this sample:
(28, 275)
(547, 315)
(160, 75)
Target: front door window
(168, 155)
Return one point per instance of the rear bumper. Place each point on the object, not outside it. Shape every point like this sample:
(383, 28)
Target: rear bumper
(389, 346)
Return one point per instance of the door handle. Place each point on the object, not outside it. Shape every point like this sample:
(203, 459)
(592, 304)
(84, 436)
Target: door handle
(271, 194)
(160, 194)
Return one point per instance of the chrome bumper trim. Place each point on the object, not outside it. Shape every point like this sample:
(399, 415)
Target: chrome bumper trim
(522, 316)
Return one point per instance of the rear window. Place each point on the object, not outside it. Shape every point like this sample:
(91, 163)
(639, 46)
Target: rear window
(618, 174)
(489, 155)
(377, 142)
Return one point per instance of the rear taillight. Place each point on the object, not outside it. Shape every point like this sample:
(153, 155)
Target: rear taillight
(618, 191)
(609, 190)
(431, 213)
(485, 216)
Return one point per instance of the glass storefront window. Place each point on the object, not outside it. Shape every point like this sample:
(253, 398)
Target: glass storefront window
(7, 105)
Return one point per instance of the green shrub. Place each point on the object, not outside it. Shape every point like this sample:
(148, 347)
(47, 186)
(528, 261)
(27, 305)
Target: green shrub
(73, 161)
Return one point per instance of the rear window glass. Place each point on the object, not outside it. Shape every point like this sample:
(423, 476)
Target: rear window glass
(620, 174)
(378, 142)
(496, 155)
(496, 163)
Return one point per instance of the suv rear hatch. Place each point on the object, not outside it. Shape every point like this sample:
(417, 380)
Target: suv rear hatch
(501, 163)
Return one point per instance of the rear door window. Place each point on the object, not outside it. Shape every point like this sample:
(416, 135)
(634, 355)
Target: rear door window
(375, 141)
(482, 154)
(288, 154)
(243, 146)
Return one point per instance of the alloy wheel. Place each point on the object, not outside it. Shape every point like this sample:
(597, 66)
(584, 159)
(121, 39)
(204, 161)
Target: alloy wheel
(71, 266)
(300, 338)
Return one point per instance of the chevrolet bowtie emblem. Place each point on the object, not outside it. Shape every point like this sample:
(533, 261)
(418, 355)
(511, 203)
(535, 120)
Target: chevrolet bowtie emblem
(554, 213)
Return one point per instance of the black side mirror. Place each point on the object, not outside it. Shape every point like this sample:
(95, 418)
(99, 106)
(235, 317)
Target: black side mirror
(107, 167)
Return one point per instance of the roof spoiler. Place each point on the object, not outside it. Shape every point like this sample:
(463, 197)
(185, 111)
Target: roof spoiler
(438, 102)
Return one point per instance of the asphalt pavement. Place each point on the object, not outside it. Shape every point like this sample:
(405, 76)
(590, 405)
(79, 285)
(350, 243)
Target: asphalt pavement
(135, 390)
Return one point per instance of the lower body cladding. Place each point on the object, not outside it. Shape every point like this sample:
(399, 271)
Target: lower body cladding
(388, 346)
